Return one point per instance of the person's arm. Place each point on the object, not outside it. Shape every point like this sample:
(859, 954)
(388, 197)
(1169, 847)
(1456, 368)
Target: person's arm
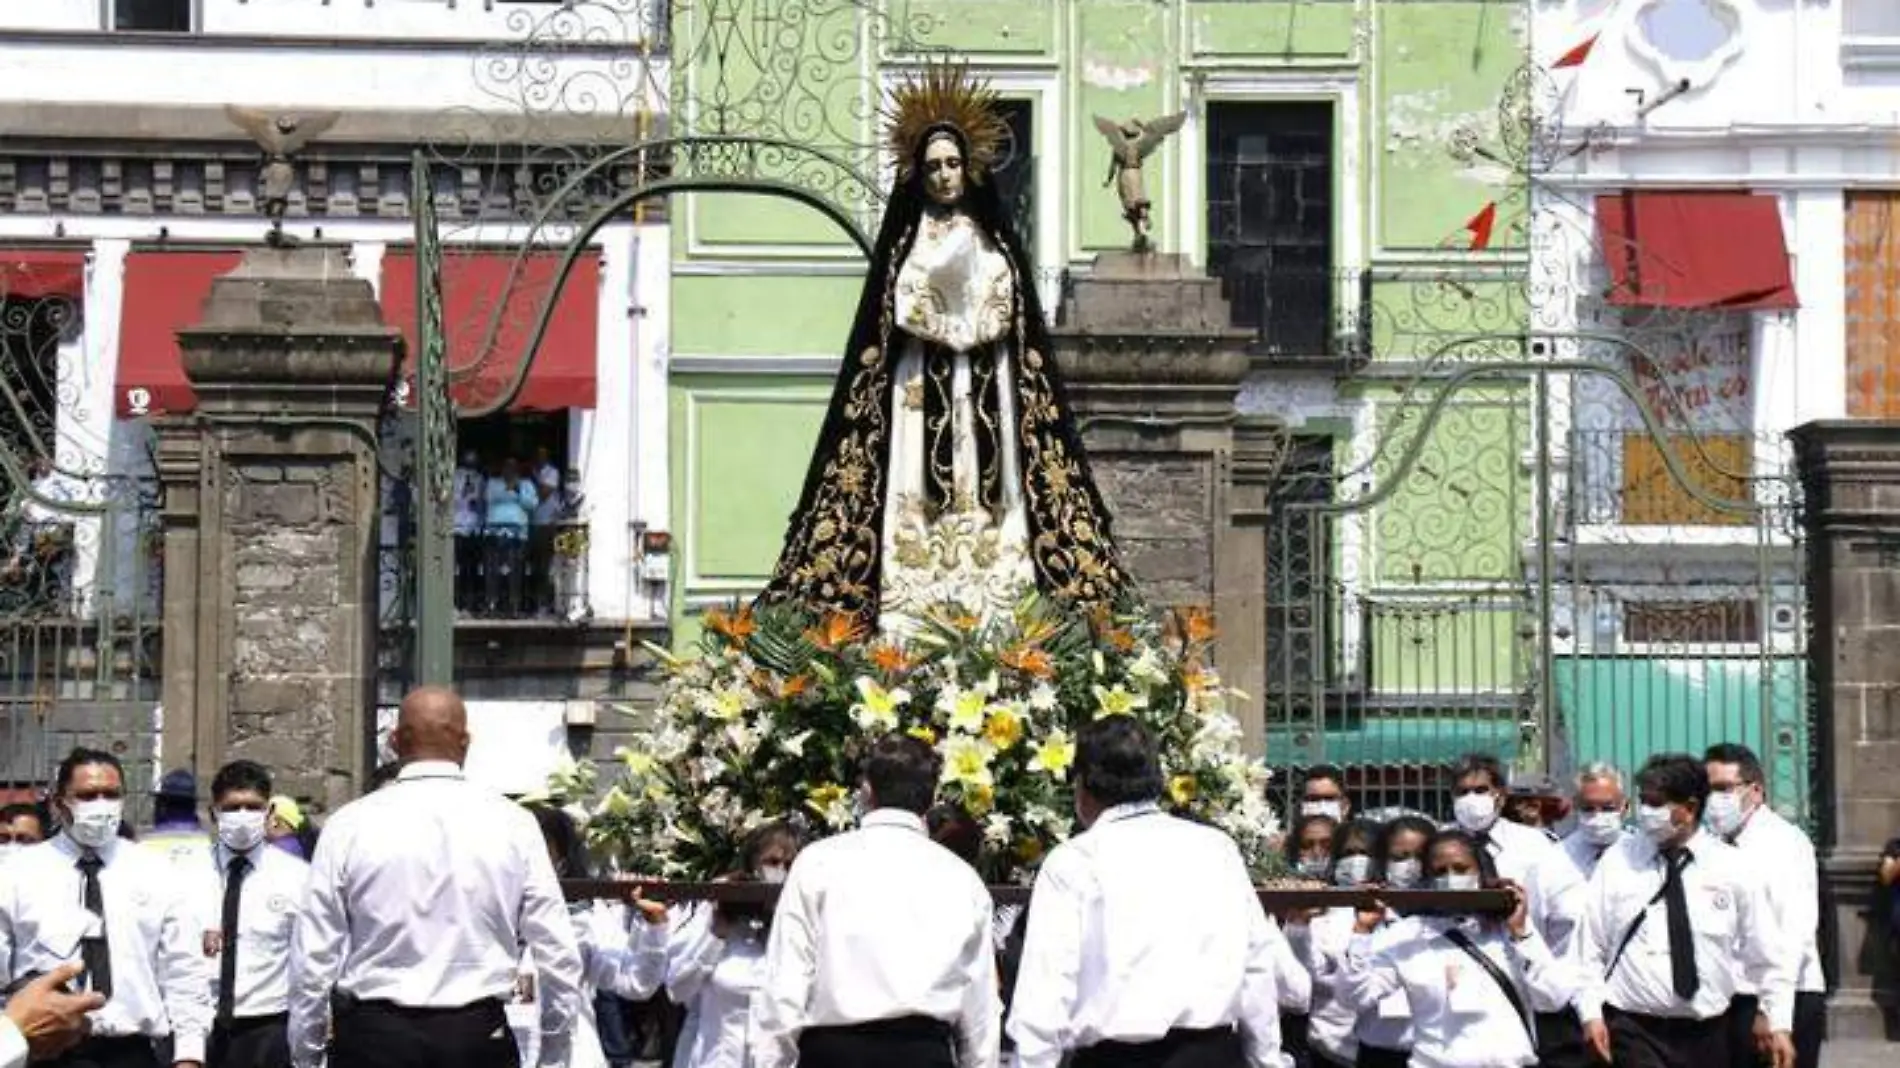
(525, 493)
(1370, 972)
(979, 1021)
(317, 944)
(1551, 982)
(184, 976)
(632, 966)
(548, 932)
(1260, 988)
(780, 1005)
(43, 1019)
(1768, 956)
(1049, 978)
(692, 952)
(12, 1044)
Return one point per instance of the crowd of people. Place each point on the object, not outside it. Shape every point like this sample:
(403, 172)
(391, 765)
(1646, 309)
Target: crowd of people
(1673, 924)
(508, 513)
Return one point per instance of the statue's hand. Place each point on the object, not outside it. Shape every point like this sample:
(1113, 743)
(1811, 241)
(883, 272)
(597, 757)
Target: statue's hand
(869, 356)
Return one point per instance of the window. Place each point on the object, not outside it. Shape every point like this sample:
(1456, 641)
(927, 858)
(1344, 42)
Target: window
(1016, 174)
(1300, 599)
(1270, 221)
(1692, 622)
(154, 16)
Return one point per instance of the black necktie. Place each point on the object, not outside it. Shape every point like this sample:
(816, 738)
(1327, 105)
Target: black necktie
(1681, 939)
(228, 940)
(94, 951)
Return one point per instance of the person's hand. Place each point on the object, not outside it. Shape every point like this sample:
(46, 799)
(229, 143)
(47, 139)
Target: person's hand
(1518, 922)
(1781, 1050)
(721, 923)
(1764, 1035)
(1597, 1037)
(1367, 918)
(652, 913)
(524, 989)
(50, 1017)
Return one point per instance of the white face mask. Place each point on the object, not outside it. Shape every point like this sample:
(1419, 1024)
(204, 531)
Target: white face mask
(1725, 815)
(95, 823)
(1314, 867)
(1403, 874)
(1656, 823)
(771, 873)
(241, 832)
(1601, 828)
(1321, 808)
(1475, 812)
(1351, 871)
(1456, 881)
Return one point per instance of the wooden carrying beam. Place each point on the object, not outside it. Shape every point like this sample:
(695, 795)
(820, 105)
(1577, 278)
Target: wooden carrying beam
(1274, 899)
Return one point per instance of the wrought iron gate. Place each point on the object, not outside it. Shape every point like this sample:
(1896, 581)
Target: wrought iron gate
(80, 580)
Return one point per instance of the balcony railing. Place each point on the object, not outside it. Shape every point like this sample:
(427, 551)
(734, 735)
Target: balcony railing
(1301, 314)
(542, 577)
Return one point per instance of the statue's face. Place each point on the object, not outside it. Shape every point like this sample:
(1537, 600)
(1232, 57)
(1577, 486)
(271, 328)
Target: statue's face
(943, 169)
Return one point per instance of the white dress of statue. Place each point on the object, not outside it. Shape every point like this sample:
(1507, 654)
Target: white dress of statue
(954, 289)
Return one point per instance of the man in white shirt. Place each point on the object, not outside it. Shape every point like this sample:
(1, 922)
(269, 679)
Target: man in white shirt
(470, 484)
(1478, 785)
(1146, 941)
(1783, 856)
(880, 953)
(123, 912)
(1323, 793)
(249, 904)
(44, 1019)
(421, 898)
(1560, 887)
(1673, 925)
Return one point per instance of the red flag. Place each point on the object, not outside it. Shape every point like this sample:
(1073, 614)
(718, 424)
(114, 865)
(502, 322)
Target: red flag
(1576, 56)
(1480, 226)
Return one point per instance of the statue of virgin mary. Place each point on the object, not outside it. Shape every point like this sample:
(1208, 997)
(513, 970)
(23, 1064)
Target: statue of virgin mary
(948, 472)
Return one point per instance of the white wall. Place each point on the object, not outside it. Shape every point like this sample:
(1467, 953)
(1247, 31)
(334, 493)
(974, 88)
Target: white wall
(416, 20)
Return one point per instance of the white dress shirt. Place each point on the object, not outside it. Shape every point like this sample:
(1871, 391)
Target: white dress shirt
(1560, 886)
(1332, 1021)
(1517, 850)
(714, 980)
(12, 1045)
(1142, 925)
(1461, 1017)
(267, 909)
(876, 924)
(1736, 938)
(422, 894)
(1783, 855)
(161, 981)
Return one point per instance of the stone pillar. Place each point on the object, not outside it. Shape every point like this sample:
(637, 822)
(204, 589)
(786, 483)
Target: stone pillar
(269, 521)
(1850, 477)
(1154, 371)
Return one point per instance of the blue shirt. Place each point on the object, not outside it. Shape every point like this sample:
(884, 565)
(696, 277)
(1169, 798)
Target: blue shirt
(509, 510)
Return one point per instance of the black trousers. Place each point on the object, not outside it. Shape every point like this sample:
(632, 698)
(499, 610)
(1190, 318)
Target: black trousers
(133, 1052)
(1560, 1041)
(378, 1034)
(1215, 1048)
(910, 1041)
(1295, 1029)
(1810, 1028)
(1663, 1042)
(252, 1042)
(1374, 1057)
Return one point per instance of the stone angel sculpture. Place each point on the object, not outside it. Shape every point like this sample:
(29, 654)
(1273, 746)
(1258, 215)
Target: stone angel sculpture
(280, 136)
(1130, 143)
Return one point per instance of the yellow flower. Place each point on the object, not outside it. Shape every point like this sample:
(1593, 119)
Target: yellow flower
(1054, 754)
(728, 702)
(639, 765)
(965, 709)
(923, 734)
(1004, 728)
(979, 799)
(1183, 789)
(1117, 701)
(1027, 850)
(878, 706)
(821, 798)
(966, 761)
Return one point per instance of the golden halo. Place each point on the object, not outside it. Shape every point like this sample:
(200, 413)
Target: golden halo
(945, 95)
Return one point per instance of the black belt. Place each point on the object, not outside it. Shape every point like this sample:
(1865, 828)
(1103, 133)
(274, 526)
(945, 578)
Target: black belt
(241, 1024)
(1109, 1051)
(899, 1027)
(486, 1006)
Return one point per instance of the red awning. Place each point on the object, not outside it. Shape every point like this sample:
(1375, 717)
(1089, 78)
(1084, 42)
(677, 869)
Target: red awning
(1695, 250)
(34, 273)
(483, 352)
(164, 291)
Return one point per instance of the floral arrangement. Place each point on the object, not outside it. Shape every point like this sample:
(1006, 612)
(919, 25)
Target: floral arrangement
(769, 719)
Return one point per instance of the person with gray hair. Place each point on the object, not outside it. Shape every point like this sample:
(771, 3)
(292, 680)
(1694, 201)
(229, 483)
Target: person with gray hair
(1558, 895)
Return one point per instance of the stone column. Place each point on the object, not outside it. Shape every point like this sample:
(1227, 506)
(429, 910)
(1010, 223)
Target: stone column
(269, 525)
(1154, 370)
(1850, 477)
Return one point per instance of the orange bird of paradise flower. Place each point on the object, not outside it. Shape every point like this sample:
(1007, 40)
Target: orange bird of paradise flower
(735, 627)
(890, 659)
(780, 689)
(837, 631)
(1197, 625)
(1029, 660)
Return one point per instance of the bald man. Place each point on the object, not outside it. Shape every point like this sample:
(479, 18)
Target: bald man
(421, 897)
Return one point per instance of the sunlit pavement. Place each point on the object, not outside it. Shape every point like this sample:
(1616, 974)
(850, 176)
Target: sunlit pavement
(1860, 1053)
